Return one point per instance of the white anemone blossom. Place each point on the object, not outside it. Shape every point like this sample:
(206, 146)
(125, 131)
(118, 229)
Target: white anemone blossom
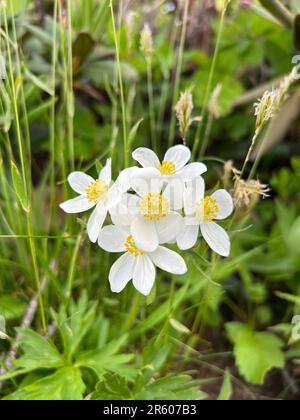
(174, 165)
(135, 264)
(201, 212)
(99, 193)
(151, 213)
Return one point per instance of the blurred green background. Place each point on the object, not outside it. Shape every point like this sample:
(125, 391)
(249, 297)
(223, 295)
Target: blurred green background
(224, 330)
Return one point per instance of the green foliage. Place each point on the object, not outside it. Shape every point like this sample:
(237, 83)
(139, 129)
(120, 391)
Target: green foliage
(145, 385)
(255, 352)
(11, 307)
(90, 355)
(67, 380)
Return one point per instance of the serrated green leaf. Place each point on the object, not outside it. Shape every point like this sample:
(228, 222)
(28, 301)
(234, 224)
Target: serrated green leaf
(256, 353)
(64, 384)
(38, 352)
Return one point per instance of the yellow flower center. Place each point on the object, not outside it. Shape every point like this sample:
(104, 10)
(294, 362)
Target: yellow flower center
(167, 168)
(207, 209)
(132, 248)
(154, 206)
(96, 190)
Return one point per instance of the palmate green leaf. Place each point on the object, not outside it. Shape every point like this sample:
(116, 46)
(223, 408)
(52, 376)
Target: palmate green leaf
(11, 307)
(74, 325)
(255, 352)
(112, 387)
(173, 387)
(64, 384)
(106, 360)
(38, 352)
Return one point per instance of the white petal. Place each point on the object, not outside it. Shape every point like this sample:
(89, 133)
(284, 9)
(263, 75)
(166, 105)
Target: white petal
(144, 275)
(168, 260)
(144, 234)
(77, 205)
(145, 180)
(121, 272)
(174, 193)
(96, 221)
(225, 203)
(216, 237)
(146, 157)
(112, 238)
(187, 235)
(105, 173)
(124, 212)
(113, 197)
(79, 181)
(123, 182)
(193, 170)
(193, 193)
(179, 155)
(167, 228)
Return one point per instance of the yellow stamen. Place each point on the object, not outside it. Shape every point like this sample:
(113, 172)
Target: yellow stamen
(167, 168)
(207, 209)
(132, 248)
(96, 190)
(154, 206)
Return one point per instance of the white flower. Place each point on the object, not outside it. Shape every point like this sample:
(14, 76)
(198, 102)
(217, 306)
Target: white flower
(200, 213)
(135, 264)
(97, 193)
(150, 213)
(174, 164)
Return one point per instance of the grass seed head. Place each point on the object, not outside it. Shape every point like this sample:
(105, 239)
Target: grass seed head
(146, 43)
(184, 109)
(247, 192)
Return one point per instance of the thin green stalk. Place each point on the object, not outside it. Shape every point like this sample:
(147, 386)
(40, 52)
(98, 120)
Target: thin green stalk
(52, 112)
(151, 104)
(133, 312)
(36, 272)
(253, 142)
(209, 88)
(66, 56)
(72, 266)
(70, 93)
(178, 70)
(23, 171)
(15, 104)
(121, 88)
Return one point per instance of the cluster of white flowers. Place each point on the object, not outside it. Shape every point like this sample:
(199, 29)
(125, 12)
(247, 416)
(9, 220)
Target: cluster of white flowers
(155, 204)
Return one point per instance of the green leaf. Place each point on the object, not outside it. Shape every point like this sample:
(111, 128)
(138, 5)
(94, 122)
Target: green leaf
(11, 307)
(19, 187)
(38, 82)
(133, 132)
(74, 325)
(255, 352)
(288, 297)
(174, 387)
(38, 352)
(82, 47)
(279, 11)
(226, 390)
(106, 360)
(64, 384)
(178, 326)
